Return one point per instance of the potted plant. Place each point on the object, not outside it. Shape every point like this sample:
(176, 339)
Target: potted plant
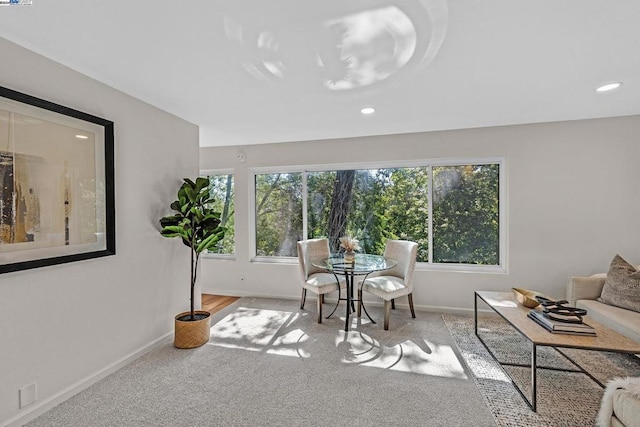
(198, 226)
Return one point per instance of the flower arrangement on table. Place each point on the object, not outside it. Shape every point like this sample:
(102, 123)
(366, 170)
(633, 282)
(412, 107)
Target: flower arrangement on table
(350, 245)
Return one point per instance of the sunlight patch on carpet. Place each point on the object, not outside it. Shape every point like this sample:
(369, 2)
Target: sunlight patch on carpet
(260, 330)
(418, 357)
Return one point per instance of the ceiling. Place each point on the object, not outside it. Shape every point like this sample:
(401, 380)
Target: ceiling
(260, 71)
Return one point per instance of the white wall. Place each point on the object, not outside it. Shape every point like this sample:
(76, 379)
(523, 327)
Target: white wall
(65, 326)
(572, 195)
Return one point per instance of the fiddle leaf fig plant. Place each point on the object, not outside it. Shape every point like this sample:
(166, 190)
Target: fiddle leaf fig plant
(195, 223)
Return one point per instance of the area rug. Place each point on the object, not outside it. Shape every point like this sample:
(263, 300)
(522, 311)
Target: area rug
(563, 399)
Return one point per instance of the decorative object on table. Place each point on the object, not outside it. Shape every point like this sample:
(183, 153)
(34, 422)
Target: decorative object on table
(396, 282)
(315, 279)
(526, 297)
(558, 318)
(558, 327)
(350, 246)
(57, 193)
(557, 310)
(199, 228)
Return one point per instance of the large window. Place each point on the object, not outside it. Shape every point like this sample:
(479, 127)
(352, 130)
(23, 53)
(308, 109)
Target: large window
(371, 204)
(278, 213)
(221, 191)
(451, 210)
(466, 214)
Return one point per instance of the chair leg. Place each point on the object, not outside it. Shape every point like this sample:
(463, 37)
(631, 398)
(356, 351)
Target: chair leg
(304, 297)
(387, 314)
(321, 298)
(320, 308)
(359, 302)
(413, 313)
(393, 304)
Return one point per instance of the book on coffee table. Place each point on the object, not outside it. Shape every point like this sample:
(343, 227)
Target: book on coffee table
(558, 327)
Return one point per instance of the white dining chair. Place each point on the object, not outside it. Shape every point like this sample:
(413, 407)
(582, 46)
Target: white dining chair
(315, 279)
(395, 282)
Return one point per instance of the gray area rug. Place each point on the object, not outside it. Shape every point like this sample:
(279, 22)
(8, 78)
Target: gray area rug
(270, 364)
(564, 398)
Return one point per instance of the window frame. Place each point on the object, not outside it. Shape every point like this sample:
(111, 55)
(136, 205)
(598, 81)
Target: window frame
(501, 268)
(209, 172)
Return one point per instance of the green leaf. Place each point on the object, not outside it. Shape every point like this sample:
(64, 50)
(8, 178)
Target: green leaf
(170, 220)
(176, 206)
(190, 193)
(201, 183)
(210, 223)
(210, 241)
(174, 231)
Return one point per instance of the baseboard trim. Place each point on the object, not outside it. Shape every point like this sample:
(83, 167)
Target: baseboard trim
(32, 412)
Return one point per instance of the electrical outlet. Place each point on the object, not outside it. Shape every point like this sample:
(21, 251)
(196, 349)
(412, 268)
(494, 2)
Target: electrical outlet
(28, 394)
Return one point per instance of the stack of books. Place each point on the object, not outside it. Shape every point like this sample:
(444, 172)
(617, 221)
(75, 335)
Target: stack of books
(552, 323)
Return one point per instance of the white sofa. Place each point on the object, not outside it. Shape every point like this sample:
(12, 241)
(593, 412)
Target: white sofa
(620, 403)
(623, 406)
(583, 292)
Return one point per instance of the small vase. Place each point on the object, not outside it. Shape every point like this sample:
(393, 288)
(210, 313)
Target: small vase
(349, 257)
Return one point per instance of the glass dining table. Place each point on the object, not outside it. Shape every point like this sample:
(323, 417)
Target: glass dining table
(362, 265)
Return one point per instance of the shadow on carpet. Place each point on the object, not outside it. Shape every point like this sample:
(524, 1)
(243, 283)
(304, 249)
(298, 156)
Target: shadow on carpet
(563, 398)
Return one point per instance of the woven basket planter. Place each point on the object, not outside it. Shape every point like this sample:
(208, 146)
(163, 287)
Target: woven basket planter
(192, 333)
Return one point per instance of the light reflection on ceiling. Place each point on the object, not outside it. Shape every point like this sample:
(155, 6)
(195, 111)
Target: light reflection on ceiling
(357, 48)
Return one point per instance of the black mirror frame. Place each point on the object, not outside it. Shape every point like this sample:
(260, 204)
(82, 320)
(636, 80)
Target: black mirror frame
(109, 181)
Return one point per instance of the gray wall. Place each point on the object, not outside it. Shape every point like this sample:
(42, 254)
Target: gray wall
(571, 204)
(65, 326)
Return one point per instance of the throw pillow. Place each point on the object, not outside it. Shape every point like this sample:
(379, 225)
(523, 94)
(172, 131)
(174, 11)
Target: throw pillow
(622, 285)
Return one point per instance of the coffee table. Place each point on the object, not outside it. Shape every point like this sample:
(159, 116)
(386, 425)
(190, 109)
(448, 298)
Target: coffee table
(515, 315)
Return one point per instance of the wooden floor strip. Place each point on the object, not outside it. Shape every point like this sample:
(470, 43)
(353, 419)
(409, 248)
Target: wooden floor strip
(215, 303)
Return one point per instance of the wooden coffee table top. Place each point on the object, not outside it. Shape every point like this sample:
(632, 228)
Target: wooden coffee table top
(606, 339)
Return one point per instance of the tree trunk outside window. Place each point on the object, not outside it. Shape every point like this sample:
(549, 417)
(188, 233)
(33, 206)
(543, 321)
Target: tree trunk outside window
(340, 205)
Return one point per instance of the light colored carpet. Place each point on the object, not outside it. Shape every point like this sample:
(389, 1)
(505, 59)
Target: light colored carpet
(270, 364)
(564, 398)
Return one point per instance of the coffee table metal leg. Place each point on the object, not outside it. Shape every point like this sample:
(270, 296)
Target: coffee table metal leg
(475, 312)
(531, 403)
(534, 372)
(581, 369)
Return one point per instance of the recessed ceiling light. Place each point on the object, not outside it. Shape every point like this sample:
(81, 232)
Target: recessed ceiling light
(82, 137)
(368, 110)
(609, 87)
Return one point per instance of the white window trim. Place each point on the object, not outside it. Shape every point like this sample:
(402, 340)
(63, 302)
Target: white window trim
(208, 172)
(501, 268)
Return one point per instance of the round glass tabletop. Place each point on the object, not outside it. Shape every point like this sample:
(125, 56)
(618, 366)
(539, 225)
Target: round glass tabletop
(363, 264)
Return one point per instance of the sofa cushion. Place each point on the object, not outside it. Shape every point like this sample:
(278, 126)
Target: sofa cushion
(626, 408)
(622, 286)
(616, 422)
(626, 322)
